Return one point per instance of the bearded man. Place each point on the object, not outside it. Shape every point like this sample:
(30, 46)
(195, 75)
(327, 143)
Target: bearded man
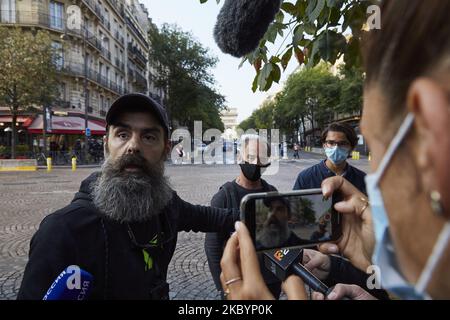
(122, 225)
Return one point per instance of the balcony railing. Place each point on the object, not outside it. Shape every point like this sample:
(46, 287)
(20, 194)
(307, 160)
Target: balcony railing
(77, 69)
(137, 54)
(102, 113)
(136, 31)
(140, 80)
(106, 53)
(37, 18)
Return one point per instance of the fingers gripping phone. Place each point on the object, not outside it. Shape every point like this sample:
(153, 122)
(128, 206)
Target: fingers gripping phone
(294, 219)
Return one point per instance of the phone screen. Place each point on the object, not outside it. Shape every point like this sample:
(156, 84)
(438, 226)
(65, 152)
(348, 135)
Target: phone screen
(288, 221)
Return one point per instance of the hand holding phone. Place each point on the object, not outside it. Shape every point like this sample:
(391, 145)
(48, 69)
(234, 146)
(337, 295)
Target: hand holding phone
(294, 219)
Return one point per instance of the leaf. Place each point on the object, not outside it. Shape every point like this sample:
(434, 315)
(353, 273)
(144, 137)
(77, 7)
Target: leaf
(257, 64)
(275, 59)
(286, 58)
(255, 82)
(271, 34)
(264, 75)
(314, 9)
(334, 3)
(289, 8)
(242, 62)
(310, 28)
(299, 55)
(298, 34)
(276, 73)
(279, 18)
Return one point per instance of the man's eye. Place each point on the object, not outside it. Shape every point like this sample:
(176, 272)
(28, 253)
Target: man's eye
(150, 137)
(122, 135)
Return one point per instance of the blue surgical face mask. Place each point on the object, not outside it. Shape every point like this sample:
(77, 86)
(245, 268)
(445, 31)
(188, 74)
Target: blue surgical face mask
(384, 255)
(337, 155)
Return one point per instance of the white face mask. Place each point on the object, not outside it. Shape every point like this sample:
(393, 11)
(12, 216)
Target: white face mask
(384, 256)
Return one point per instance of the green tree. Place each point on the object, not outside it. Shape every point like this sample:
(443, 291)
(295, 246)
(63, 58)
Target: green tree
(183, 72)
(351, 91)
(309, 95)
(29, 76)
(312, 31)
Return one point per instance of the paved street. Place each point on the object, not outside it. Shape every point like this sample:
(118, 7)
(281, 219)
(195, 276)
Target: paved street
(27, 197)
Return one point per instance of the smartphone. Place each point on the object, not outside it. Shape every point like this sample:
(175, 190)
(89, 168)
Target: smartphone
(301, 218)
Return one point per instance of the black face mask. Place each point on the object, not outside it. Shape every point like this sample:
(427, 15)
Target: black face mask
(251, 171)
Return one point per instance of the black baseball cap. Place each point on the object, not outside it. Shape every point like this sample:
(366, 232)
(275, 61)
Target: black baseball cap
(133, 102)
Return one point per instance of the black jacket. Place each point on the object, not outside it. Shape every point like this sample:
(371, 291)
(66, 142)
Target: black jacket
(81, 235)
(229, 196)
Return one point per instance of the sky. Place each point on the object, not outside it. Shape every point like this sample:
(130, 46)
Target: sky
(199, 19)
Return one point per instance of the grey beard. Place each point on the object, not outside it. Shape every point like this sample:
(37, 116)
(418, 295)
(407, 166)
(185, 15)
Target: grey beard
(133, 197)
(273, 238)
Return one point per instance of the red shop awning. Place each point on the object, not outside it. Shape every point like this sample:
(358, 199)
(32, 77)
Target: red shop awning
(25, 121)
(68, 125)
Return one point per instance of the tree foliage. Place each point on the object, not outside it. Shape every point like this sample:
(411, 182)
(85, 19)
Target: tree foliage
(28, 77)
(312, 96)
(312, 31)
(182, 67)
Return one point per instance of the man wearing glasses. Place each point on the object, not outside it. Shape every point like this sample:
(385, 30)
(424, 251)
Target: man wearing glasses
(338, 140)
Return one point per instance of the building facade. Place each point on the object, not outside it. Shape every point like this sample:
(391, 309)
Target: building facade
(103, 58)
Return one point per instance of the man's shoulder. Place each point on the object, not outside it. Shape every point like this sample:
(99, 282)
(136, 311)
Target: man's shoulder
(267, 186)
(357, 171)
(313, 170)
(71, 216)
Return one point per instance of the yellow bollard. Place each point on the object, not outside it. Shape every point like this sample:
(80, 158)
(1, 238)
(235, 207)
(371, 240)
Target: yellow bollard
(358, 155)
(74, 163)
(370, 156)
(49, 164)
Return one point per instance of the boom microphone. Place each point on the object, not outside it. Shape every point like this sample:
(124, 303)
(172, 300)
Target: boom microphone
(72, 284)
(241, 24)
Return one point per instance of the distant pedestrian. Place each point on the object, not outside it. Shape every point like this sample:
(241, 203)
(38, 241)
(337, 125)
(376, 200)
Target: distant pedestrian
(296, 150)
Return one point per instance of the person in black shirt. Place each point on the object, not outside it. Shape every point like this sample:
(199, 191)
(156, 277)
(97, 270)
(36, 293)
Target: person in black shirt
(254, 158)
(122, 225)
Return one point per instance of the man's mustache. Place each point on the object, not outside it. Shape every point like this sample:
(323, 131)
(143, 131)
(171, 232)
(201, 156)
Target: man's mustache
(135, 160)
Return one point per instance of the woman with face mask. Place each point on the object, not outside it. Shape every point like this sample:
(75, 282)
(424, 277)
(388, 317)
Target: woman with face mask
(403, 227)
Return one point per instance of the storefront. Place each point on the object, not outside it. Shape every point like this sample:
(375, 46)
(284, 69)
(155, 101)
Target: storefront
(64, 131)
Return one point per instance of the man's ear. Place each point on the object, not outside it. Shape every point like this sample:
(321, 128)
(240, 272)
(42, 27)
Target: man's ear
(105, 145)
(428, 101)
(167, 149)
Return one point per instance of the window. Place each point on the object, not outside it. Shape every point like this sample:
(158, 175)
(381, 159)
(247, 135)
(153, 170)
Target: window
(58, 58)
(100, 68)
(102, 103)
(56, 15)
(8, 11)
(62, 91)
(107, 74)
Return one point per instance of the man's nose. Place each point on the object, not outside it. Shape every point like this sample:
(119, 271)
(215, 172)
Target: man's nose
(133, 145)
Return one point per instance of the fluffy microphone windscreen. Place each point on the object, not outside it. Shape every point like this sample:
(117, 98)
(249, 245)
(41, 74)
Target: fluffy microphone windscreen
(241, 24)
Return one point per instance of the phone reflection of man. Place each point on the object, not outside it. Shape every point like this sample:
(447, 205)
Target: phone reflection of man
(275, 232)
(322, 234)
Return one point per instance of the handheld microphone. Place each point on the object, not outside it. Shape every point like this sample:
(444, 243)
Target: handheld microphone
(73, 283)
(285, 262)
(241, 24)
